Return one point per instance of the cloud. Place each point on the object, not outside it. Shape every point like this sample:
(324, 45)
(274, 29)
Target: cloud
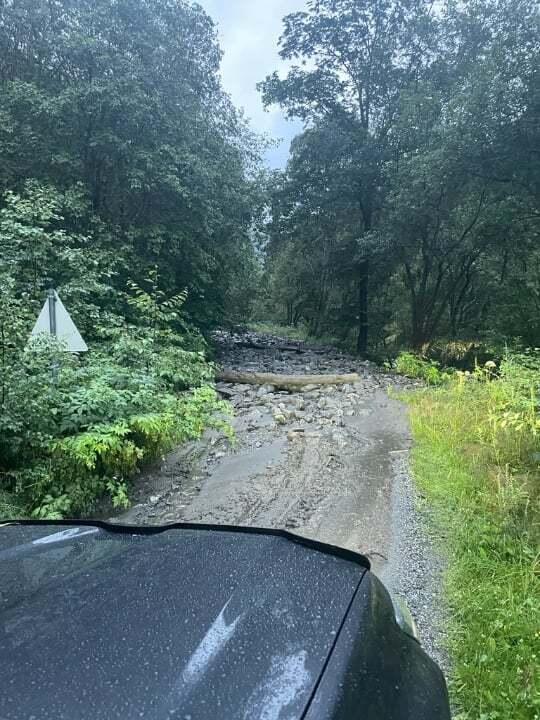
(248, 32)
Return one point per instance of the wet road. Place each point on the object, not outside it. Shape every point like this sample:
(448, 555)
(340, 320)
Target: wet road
(332, 482)
(330, 463)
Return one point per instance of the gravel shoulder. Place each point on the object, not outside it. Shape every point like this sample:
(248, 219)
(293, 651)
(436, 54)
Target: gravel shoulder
(330, 463)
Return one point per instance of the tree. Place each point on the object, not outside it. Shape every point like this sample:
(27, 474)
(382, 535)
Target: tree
(123, 101)
(356, 58)
(418, 162)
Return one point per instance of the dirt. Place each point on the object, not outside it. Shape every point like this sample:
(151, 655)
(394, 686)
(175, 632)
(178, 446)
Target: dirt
(330, 463)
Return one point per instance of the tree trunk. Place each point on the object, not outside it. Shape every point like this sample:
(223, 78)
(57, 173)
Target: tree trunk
(419, 335)
(289, 320)
(363, 325)
(287, 382)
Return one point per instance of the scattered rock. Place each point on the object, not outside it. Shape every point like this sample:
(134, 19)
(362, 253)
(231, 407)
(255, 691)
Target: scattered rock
(225, 391)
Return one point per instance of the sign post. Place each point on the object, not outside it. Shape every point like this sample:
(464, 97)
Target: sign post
(51, 299)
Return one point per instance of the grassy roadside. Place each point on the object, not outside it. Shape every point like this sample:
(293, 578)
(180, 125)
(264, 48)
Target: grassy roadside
(476, 462)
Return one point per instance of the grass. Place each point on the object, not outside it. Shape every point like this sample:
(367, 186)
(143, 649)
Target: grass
(475, 461)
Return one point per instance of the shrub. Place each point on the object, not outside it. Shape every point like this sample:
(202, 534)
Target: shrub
(80, 468)
(412, 366)
(462, 354)
(73, 429)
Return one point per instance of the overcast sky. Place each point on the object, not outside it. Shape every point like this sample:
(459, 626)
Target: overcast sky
(248, 34)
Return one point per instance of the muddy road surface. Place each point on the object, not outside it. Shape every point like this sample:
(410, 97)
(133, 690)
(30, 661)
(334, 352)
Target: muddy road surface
(328, 462)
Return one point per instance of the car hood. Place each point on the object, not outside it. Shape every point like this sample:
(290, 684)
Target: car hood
(188, 622)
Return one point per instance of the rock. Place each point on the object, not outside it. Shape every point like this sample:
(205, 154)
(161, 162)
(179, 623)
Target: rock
(154, 499)
(264, 390)
(286, 412)
(309, 388)
(280, 418)
(225, 392)
(242, 388)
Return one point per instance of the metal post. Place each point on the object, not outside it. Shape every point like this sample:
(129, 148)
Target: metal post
(52, 312)
(51, 297)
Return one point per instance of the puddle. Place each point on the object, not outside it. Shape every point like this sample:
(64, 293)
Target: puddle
(247, 463)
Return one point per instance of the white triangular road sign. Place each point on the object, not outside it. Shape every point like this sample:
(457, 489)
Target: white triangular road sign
(66, 330)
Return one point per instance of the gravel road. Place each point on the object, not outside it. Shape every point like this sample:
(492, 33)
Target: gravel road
(330, 463)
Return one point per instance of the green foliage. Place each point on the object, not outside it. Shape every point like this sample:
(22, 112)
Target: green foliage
(413, 191)
(74, 471)
(481, 474)
(72, 429)
(121, 152)
(154, 308)
(75, 428)
(9, 507)
(37, 251)
(412, 366)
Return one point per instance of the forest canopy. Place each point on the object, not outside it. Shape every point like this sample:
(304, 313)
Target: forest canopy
(114, 112)
(410, 204)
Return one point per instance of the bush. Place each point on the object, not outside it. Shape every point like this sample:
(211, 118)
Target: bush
(462, 354)
(72, 429)
(82, 467)
(416, 367)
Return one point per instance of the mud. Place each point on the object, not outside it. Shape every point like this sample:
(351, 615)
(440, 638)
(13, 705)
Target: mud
(329, 463)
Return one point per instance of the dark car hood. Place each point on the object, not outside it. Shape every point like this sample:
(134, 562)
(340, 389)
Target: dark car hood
(186, 623)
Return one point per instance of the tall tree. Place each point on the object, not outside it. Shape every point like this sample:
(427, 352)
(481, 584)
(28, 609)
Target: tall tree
(356, 57)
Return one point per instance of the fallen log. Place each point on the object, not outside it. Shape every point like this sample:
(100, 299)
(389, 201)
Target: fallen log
(285, 382)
